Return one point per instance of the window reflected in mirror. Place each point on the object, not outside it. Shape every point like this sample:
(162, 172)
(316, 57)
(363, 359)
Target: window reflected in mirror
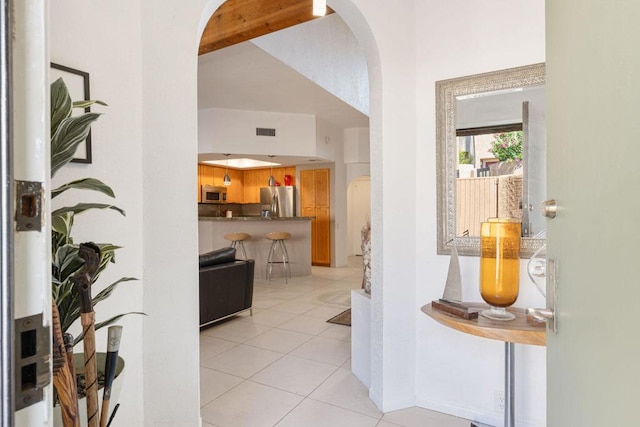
(489, 176)
(492, 155)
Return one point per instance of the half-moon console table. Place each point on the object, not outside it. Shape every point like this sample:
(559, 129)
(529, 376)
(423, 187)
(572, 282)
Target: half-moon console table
(520, 331)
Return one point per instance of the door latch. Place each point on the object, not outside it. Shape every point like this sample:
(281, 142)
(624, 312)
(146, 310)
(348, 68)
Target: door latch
(29, 201)
(549, 314)
(32, 356)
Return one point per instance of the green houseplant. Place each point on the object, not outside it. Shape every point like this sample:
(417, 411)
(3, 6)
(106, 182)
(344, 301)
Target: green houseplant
(67, 132)
(507, 146)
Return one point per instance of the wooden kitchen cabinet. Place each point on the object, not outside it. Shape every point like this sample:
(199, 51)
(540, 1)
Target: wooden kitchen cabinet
(213, 175)
(290, 171)
(245, 184)
(263, 179)
(235, 192)
(315, 197)
(218, 176)
(250, 185)
(205, 177)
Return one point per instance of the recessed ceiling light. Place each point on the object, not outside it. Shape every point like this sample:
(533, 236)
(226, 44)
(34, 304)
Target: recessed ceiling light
(241, 163)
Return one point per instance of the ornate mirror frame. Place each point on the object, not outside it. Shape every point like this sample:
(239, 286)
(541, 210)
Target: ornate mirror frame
(447, 92)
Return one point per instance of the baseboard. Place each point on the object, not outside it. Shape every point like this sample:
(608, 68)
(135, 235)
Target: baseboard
(490, 418)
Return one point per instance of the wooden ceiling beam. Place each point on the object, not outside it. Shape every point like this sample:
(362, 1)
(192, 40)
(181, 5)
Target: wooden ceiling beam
(236, 21)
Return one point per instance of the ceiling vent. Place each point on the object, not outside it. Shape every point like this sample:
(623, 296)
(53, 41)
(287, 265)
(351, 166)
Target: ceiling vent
(265, 132)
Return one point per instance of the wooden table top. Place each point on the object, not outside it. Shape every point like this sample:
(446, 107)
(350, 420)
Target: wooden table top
(519, 330)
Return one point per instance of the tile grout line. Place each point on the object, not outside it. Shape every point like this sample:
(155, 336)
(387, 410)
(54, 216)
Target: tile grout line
(289, 353)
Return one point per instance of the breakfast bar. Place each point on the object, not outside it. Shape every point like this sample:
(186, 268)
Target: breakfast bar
(211, 232)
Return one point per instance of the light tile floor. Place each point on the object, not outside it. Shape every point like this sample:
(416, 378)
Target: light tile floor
(287, 367)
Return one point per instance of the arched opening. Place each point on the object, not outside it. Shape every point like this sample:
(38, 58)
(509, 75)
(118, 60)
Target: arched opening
(361, 194)
(309, 85)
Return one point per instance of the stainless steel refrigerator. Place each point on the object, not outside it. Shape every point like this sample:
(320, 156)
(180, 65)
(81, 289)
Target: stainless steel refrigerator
(280, 201)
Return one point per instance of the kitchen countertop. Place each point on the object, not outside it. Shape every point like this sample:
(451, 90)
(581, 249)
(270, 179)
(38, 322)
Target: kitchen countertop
(254, 218)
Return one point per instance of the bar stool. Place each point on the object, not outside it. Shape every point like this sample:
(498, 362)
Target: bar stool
(277, 240)
(237, 240)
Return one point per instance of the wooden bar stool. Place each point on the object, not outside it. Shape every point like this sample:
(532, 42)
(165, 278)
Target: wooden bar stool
(277, 241)
(237, 240)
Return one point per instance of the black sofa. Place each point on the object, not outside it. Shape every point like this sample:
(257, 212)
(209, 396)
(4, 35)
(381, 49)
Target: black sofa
(226, 285)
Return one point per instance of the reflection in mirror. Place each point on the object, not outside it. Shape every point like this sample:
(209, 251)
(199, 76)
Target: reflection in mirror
(491, 156)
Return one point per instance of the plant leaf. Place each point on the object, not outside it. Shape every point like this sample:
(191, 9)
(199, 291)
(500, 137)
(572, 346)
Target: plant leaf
(88, 103)
(81, 207)
(107, 323)
(60, 104)
(106, 292)
(69, 134)
(84, 184)
(61, 230)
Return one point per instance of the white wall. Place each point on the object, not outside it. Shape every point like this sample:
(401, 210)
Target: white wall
(170, 39)
(327, 53)
(82, 37)
(356, 145)
(458, 373)
(358, 212)
(388, 41)
(234, 131)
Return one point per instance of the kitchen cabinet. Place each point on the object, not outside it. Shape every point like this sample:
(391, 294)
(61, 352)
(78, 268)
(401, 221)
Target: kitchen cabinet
(263, 179)
(235, 192)
(250, 193)
(213, 175)
(205, 177)
(315, 197)
(245, 184)
(218, 176)
(290, 171)
(279, 173)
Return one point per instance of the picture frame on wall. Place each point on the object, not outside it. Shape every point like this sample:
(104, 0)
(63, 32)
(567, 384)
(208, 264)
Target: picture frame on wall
(78, 84)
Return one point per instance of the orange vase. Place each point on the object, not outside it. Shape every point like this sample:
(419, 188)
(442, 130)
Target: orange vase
(499, 265)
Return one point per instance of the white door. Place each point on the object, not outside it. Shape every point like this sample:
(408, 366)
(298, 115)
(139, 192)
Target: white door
(593, 116)
(29, 254)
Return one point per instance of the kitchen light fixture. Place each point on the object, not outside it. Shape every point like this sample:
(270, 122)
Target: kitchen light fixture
(240, 163)
(226, 180)
(319, 7)
(272, 180)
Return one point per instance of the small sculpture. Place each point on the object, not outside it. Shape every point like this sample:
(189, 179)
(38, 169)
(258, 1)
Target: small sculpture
(366, 256)
(453, 285)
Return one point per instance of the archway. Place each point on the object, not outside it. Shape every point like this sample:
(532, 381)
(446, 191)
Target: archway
(359, 26)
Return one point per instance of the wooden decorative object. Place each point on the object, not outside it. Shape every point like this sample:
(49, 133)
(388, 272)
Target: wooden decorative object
(456, 309)
(82, 285)
(63, 379)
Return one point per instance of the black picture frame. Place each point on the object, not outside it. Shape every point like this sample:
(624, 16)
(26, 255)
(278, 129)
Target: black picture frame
(77, 82)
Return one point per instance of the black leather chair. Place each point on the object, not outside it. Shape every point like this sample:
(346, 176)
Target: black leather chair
(226, 285)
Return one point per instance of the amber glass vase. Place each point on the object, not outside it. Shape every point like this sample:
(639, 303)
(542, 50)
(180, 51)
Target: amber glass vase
(499, 265)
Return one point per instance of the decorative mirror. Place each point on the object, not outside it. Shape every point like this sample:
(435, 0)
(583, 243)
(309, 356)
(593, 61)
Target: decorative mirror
(491, 157)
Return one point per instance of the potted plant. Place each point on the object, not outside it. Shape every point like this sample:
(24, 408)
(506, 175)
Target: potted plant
(67, 132)
(507, 148)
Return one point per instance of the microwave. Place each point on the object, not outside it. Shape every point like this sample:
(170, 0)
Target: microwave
(215, 195)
